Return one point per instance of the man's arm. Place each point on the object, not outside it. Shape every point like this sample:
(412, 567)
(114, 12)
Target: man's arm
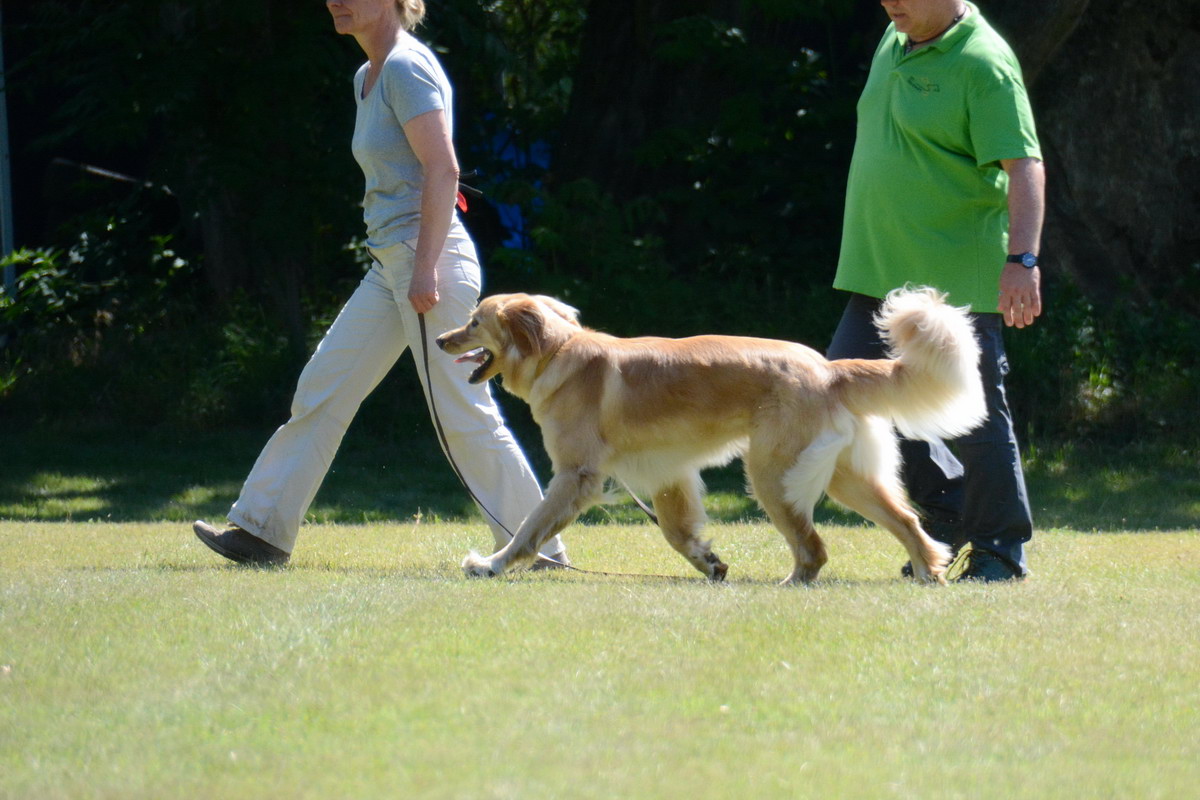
(1020, 288)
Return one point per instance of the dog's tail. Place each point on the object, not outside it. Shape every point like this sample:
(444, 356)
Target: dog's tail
(930, 385)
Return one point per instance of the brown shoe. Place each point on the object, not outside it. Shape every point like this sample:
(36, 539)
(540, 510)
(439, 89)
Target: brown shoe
(240, 545)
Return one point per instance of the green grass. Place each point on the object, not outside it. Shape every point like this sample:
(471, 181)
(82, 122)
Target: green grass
(134, 663)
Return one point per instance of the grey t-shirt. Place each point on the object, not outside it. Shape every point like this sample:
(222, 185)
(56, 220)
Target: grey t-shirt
(412, 83)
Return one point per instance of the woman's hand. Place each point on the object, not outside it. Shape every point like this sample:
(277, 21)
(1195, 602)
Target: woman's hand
(422, 290)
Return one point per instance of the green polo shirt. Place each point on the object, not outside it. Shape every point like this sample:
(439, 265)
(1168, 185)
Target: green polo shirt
(927, 199)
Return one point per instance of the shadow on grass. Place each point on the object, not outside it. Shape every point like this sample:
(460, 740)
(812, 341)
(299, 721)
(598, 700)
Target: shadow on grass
(1088, 487)
(123, 476)
(126, 476)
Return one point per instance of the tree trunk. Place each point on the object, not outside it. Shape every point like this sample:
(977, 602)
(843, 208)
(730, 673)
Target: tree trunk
(1117, 103)
(1036, 29)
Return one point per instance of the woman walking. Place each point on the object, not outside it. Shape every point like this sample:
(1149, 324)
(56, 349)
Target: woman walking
(424, 264)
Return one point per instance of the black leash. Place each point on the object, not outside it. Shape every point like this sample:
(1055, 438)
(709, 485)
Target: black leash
(467, 189)
(437, 425)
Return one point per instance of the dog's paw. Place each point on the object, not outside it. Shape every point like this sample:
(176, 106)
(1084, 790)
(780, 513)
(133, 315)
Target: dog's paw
(935, 576)
(716, 567)
(936, 563)
(801, 576)
(476, 566)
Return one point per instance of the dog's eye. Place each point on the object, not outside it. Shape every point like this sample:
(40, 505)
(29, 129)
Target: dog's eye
(474, 323)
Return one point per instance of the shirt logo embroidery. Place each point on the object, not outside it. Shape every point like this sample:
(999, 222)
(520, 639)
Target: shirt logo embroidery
(923, 85)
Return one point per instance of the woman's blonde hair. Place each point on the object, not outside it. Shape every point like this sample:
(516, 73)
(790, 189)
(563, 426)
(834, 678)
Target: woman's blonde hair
(411, 13)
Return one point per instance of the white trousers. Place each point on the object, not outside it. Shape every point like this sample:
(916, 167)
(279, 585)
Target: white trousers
(373, 329)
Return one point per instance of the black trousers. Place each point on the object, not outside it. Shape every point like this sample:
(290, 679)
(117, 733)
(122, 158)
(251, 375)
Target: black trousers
(973, 488)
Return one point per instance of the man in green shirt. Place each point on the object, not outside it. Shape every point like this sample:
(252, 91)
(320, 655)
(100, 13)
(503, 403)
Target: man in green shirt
(947, 189)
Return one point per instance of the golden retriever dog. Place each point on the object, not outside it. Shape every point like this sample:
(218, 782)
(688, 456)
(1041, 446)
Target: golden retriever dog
(653, 412)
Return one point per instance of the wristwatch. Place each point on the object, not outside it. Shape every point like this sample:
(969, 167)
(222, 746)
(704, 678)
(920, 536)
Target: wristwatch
(1026, 260)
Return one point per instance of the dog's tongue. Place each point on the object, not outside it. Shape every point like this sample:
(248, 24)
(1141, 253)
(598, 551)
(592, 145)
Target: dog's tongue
(475, 357)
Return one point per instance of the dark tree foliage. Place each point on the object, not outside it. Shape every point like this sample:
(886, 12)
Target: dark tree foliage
(719, 129)
(241, 111)
(678, 166)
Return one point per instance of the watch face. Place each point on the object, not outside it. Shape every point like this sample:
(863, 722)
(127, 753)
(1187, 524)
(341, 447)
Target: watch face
(1029, 260)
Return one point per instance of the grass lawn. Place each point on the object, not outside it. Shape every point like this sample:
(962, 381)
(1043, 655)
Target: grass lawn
(135, 663)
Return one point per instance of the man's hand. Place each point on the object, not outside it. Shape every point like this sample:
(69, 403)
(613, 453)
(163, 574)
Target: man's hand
(1020, 295)
(1021, 288)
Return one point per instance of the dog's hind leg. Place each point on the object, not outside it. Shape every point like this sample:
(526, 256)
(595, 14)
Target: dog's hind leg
(866, 481)
(681, 515)
(887, 507)
(569, 494)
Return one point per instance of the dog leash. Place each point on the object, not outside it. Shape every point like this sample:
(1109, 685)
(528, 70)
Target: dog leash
(437, 425)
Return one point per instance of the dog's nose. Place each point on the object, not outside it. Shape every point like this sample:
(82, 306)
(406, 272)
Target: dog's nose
(441, 341)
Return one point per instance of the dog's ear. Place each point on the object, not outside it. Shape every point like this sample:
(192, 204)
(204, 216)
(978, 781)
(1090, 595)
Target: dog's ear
(569, 313)
(526, 325)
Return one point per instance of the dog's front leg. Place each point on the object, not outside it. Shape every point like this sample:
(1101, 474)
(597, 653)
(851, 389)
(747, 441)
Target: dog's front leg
(570, 493)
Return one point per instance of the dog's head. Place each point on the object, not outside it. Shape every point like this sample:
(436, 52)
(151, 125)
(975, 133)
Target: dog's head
(507, 329)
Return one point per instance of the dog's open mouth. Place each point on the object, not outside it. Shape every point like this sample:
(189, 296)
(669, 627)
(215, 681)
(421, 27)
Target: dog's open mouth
(483, 357)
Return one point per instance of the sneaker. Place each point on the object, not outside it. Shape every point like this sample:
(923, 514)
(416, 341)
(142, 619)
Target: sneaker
(240, 545)
(988, 566)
